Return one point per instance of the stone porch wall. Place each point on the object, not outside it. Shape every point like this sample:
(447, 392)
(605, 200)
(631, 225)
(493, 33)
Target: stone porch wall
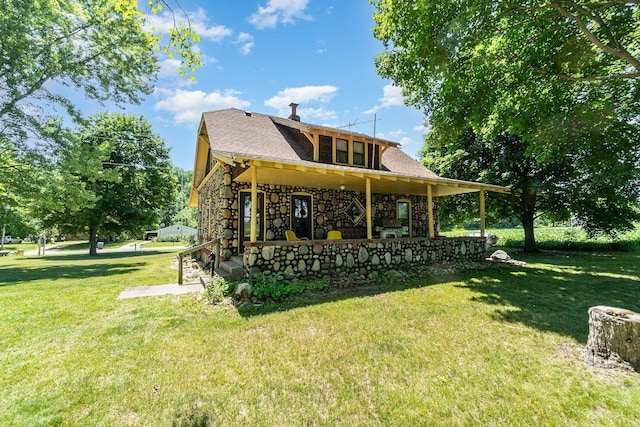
(357, 258)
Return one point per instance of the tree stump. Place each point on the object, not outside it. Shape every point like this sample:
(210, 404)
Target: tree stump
(614, 333)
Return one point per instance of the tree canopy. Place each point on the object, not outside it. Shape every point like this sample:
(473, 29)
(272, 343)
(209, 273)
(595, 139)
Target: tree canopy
(49, 45)
(116, 177)
(560, 77)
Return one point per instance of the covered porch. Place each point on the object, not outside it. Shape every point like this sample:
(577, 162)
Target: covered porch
(366, 253)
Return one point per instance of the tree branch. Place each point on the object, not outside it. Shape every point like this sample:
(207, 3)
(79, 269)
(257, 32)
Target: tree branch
(619, 52)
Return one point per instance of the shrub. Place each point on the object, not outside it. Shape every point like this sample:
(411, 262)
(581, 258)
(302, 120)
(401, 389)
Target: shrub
(217, 290)
(186, 238)
(271, 288)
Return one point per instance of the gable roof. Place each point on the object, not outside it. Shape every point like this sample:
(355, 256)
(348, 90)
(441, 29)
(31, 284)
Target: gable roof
(233, 135)
(237, 133)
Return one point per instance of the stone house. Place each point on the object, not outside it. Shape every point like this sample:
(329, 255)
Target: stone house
(258, 176)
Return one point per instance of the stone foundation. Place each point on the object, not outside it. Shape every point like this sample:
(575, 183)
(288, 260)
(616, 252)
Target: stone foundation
(320, 258)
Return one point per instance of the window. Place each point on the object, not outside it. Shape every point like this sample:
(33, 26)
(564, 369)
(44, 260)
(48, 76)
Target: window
(404, 215)
(342, 151)
(358, 153)
(326, 149)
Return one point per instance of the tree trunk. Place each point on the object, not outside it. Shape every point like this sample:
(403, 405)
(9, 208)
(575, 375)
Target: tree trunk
(93, 240)
(613, 333)
(527, 219)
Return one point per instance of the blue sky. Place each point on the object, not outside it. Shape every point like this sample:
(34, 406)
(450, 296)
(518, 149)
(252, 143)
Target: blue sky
(261, 55)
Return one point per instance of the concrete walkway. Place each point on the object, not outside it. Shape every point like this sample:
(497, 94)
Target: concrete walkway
(152, 291)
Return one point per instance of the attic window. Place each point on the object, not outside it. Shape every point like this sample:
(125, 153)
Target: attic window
(342, 151)
(247, 113)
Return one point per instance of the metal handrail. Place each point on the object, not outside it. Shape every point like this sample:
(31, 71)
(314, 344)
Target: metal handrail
(216, 258)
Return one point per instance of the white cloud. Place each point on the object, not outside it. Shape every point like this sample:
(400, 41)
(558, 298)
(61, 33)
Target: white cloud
(301, 95)
(246, 42)
(169, 68)
(188, 106)
(396, 134)
(420, 128)
(318, 114)
(279, 11)
(165, 21)
(170, 72)
(392, 97)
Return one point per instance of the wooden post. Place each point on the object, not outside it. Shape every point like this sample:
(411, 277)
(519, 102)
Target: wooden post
(481, 213)
(316, 147)
(369, 222)
(432, 232)
(254, 203)
(179, 269)
(216, 263)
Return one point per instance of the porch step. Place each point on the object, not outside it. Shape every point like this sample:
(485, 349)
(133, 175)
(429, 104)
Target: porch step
(230, 270)
(238, 259)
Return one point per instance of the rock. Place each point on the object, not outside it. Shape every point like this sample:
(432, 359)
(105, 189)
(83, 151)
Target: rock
(500, 255)
(408, 255)
(303, 250)
(350, 260)
(243, 291)
(363, 254)
(268, 252)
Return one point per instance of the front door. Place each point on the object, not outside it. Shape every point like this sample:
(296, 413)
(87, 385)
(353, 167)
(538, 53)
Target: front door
(245, 223)
(301, 216)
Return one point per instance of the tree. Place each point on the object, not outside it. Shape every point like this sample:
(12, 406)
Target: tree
(534, 74)
(179, 212)
(115, 178)
(49, 45)
(557, 187)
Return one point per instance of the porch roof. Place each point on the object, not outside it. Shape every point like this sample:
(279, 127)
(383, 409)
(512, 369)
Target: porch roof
(317, 175)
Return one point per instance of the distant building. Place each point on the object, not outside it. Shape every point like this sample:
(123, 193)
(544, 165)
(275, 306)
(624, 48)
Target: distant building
(172, 229)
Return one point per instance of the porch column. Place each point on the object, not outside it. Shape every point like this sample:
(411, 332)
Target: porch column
(254, 203)
(481, 213)
(432, 232)
(369, 222)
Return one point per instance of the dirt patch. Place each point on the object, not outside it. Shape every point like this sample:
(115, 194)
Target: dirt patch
(612, 370)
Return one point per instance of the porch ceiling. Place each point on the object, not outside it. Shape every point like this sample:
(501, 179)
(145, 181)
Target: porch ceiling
(381, 182)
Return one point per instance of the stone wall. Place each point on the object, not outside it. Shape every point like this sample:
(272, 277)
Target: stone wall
(357, 258)
(219, 212)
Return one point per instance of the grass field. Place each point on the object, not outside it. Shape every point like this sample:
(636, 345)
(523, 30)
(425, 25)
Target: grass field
(563, 238)
(496, 347)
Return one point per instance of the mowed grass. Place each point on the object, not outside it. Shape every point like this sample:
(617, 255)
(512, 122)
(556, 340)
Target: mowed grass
(497, 347)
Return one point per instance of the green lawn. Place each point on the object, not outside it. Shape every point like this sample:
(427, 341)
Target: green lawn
(497, 347)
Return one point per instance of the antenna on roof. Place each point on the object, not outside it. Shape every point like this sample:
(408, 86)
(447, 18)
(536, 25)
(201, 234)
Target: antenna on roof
(357, 123)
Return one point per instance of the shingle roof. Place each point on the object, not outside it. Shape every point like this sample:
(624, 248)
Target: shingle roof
(238, 133)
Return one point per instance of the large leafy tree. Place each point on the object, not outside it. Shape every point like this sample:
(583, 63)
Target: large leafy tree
(53, 49)
(561, 77)
(116, 177)
(51, 45)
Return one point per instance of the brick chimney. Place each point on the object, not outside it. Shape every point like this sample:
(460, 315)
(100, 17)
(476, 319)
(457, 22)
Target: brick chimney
(293, 115)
